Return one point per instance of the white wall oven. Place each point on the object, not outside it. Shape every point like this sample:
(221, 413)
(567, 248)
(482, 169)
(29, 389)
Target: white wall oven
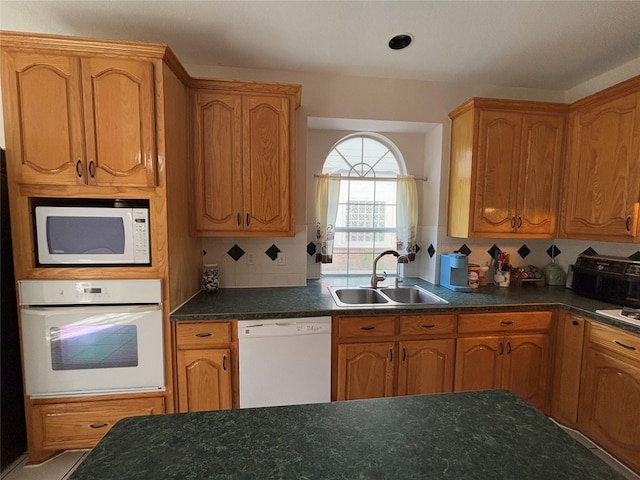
(87, 337)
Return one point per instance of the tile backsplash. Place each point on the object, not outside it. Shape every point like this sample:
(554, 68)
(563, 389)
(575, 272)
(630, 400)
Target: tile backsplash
(259, 262)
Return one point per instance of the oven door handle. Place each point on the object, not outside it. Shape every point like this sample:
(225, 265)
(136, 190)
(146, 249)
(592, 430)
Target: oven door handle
(93, 309)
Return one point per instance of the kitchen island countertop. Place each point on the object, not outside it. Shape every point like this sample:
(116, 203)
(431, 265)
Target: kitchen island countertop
(314, 300)
(471, 435)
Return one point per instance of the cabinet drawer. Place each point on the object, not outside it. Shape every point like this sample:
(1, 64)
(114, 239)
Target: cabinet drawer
(504, 322)
(427, 324)
(83, 424)
(615, 340)
(374, 326)
(202, 334)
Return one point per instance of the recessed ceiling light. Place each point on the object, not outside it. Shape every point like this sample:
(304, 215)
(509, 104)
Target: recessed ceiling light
(401, 41)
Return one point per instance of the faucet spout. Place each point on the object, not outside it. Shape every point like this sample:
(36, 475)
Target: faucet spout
(375, 278)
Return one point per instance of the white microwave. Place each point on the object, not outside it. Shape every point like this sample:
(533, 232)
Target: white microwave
(92, 235)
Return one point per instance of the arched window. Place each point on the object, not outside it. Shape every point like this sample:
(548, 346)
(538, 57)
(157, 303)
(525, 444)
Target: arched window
(369, 165)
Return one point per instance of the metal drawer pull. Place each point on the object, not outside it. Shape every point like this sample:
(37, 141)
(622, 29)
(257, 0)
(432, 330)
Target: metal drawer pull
(628, 347)
(506, 322)
(404, 354)
(248, 218)
(508, 348)
(92, 169)
(575, 322)
(224, 363)
(391, 355)
(513, 222)
(501, 349)
(627, 223)
(368, 328)
(428, 326)
(239, 219)
(203, 335)
(99, 426)
(79, 168)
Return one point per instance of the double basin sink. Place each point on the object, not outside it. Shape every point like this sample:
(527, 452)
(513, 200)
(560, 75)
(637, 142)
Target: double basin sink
(383, 296)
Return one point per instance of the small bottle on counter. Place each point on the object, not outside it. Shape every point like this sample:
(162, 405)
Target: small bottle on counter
(473, 276)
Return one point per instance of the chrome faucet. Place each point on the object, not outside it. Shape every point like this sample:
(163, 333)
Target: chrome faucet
(375, 278)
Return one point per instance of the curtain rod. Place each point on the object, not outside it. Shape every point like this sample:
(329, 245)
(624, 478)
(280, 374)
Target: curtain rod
(386, 179)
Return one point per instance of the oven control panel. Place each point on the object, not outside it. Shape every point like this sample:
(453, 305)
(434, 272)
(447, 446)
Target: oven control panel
(81, 292)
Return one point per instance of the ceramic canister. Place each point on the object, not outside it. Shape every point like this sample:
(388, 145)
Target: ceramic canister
(210, 277)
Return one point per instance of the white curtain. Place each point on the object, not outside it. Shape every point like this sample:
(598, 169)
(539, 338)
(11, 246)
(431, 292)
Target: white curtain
(327, 193)
(406, 216)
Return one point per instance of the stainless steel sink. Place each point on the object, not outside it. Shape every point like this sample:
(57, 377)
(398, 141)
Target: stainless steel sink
(357, 296)
(412, 295)
(383, 296)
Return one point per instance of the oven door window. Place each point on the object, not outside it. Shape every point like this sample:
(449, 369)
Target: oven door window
(80, 347)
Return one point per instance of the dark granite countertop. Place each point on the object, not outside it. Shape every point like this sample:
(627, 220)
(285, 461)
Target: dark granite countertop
(471, 435)
(314, 299)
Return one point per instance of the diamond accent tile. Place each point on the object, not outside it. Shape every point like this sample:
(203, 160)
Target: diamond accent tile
(553, 251)
(311, 249)
(589, 251)
(523, 251)
(431, 251)
(235, 252)
(493, 251)
(272, 252)
(417, 248)
(635, 257)
(465, 250)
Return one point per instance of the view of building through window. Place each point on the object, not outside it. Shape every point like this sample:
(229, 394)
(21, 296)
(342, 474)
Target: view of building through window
(366, 220)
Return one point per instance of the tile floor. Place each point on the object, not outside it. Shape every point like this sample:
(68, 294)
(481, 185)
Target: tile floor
(61, 467)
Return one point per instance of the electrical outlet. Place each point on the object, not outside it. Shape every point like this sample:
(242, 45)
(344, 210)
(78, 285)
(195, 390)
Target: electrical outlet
(282, 259)
(250, 259)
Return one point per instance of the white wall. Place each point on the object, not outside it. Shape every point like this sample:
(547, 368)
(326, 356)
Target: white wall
(385, 100)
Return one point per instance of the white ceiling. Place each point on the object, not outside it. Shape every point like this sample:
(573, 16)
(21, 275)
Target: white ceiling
(553, 45)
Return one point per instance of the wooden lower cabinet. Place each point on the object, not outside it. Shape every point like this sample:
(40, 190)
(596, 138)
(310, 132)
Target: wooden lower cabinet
(206, 359)
(204, 380)
(519, 362)
(61, 425)
(426, 366)
(609, 411)
(383, 356)
(366, 370)
(569, 338)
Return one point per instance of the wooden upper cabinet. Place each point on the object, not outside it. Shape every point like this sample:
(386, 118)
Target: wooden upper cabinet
(505, 168)
(602, 180)
(119, 116)
(72, 120)
(243, 150)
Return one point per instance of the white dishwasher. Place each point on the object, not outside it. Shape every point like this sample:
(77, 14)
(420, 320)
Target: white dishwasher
(285, 361)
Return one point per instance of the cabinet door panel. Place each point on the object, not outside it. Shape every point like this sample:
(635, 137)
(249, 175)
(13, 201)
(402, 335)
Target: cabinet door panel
(204, 380)
(43, 117)
(526, 368)
(217, 155)
(267, 169)
(568, 362)
(604, 172)
(365, 370)
(537, 202)
(426, 367)
(478, 363)
(119, 121)
(496, 172)
(609, 402)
